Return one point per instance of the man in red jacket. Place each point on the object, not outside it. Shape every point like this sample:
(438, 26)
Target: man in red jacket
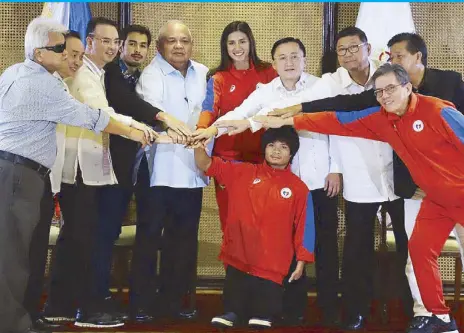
(270, 220)
(428, 135)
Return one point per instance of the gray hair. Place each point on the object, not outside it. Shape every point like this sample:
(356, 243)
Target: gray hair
(162, 31)
(37, 34)
(387, 68)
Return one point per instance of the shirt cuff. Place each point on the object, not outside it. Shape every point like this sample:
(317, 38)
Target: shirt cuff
(254, 125)
(102, 121)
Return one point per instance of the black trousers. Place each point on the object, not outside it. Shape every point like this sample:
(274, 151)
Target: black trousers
(295, 295)
(21, 191)
(327, 266)
(38, 253)
(72, 282)
(174, 217)
(358, 251)
(250, 296)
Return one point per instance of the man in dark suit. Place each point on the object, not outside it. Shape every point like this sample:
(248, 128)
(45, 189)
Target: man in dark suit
(410, 51)
(129, 164)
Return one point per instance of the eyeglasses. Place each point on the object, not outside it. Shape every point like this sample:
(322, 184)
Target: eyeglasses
(59, 48)
(390, 89)
(107, 41)
(353, 49)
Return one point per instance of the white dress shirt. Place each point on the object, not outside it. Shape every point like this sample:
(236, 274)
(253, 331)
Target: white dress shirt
(81, 147)
(314, 160)
(166, 88)
(366, 165)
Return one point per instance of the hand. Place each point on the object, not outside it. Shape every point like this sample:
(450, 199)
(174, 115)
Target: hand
(418, 195)
(150, 134)
(138, 136)
(175, 124)
(178, 138)
(234, 126)
(270, 122)
(332, 184)
(204, 134)
(163, 139)
(287, 112)
(297, 272)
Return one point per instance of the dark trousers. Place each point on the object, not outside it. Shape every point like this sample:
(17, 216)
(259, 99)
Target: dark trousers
(177, 211)
(250, 296)
(72, 283)
(38, 254)
(326, 251)
(295, 295)
(358, 251)
(21, 191)
(113, 204)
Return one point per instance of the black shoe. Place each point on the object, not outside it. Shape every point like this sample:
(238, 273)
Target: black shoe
(43, 324)
(97, 320)
(141, 316)
(187, 314)
(355, 323)
(421, 324)
(58, 314)
(114, 308)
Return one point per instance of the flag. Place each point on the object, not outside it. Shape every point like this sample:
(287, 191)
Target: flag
(73, 15)
(381, 21)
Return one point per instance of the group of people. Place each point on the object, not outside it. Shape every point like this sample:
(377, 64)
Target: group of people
(86, 123)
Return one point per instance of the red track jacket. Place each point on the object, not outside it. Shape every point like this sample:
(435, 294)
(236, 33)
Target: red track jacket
(270, 218)
(429, 138)
(226, 90)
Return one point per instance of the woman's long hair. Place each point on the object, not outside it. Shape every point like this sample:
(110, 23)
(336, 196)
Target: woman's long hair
(226, 61)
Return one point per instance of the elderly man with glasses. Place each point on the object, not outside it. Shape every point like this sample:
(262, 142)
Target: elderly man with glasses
(33, 101)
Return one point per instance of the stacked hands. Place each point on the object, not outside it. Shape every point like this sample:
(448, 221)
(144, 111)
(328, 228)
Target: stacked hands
(178, 132)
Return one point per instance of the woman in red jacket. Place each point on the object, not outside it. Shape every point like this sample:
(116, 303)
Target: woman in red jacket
(236, 77)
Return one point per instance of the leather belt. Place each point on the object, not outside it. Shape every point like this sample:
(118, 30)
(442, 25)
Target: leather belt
(16, 159)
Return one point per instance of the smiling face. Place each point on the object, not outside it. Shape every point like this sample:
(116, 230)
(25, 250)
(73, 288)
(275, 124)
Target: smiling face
(289, 61)
(277, 154)
(49, 59)
(103, 45)
(393, 96)
(175, 45)
(238, 46)
(75, 50)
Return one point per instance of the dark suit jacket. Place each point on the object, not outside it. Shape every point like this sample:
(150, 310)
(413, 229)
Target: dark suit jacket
(445, 85)
(123, 99)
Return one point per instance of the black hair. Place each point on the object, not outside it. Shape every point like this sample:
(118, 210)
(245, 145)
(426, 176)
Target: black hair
(225, 58)
(414, 44)
(351, 31)
(285, 134)
(285, 41)
(136, 28)
(72, 34)
(99, 21)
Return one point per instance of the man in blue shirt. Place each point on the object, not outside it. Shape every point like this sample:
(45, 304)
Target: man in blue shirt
(32, 102)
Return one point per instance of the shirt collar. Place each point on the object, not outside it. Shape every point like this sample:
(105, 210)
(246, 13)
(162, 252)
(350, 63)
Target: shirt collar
(125, 71)
(239, 72)
(410, 111)
(34, 65)
(347, 80)
(300, 85)
(92, 67)
(166, 67)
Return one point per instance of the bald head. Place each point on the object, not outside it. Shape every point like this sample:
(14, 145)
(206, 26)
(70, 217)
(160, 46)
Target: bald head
(175, 44)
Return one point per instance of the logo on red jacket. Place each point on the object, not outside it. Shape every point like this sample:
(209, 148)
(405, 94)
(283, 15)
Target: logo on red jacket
(256, 181)
(418, 125)
(286, 193)
(232, 88)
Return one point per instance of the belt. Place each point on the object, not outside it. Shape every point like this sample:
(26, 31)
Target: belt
(16, 159)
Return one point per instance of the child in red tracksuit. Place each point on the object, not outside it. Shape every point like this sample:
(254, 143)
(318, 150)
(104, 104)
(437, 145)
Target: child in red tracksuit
(427, 133)
(269, 221)
(237, 76)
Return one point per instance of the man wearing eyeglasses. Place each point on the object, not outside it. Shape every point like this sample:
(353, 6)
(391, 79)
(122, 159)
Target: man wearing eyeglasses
(88, 168)
(427, 133)
(33, 101)
(410, 51)
(367, 171)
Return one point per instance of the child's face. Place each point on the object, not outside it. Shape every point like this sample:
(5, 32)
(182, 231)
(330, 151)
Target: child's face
(277, 154)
